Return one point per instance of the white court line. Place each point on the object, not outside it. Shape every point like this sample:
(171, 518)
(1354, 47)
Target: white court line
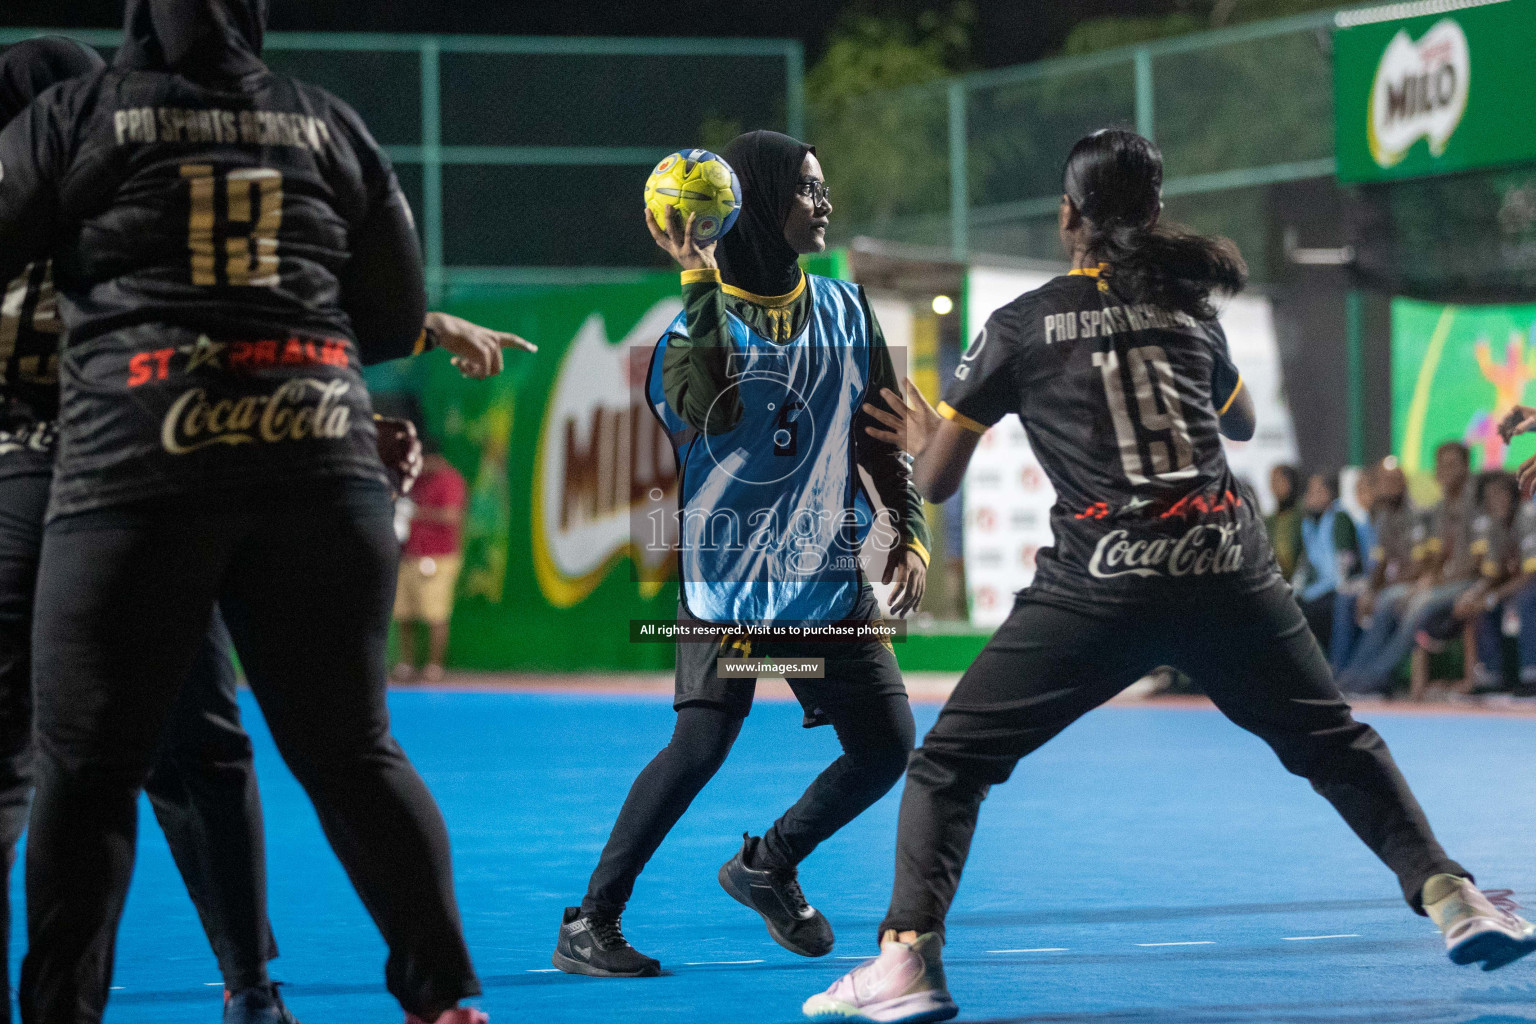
(211, 984)
(1309, 938)
(1042, 949)
(1201, 942)
(720, 963)
(543, 970)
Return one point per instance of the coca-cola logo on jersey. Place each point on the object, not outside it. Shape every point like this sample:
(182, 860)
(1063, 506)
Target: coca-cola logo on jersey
(300, 409)
(1204, 550)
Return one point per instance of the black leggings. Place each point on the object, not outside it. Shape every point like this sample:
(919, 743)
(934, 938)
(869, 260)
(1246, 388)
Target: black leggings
(306, 581)
(876, 731)
(203, 788)
(1046, 667)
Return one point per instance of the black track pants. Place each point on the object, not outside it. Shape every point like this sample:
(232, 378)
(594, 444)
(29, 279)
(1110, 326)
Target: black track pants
(306, 583)
(876, 732)
(1046, 667)
(203, 788)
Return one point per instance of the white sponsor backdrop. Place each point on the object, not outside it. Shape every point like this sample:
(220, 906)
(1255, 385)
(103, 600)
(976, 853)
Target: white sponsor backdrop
(1007, 496)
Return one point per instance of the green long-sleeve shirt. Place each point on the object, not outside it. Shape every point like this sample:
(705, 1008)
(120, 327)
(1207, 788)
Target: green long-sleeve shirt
(695, 375)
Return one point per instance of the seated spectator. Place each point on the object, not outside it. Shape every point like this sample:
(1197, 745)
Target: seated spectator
(1284, 523)
(1346, 599)
(1444, 569)
(1330, 555)
(1504, 538)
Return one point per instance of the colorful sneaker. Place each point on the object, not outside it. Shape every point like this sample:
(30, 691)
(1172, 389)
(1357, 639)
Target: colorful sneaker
(775, 893)
(1479, 927)
(457, 1015)
(258, 1004)
(903, 985)
(594, 945)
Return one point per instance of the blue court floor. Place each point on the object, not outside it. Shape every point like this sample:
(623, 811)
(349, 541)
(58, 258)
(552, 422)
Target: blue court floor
(1153, 864)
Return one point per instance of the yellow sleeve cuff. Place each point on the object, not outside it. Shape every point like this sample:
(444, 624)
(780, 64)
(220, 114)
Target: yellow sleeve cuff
(421, 343)
(952, 414)
(1232, 397)
(917, 546)
(702, 275)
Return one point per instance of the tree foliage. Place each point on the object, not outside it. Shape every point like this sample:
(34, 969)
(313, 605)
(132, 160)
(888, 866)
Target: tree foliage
(879, 127)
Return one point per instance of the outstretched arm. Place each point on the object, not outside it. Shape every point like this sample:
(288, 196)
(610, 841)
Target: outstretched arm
(941, 448)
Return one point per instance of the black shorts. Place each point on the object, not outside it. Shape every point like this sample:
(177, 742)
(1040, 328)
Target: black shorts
(868, 664)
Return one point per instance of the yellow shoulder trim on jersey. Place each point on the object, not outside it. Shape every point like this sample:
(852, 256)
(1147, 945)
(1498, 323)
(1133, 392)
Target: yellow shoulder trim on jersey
(954, 415)
(700, 276)
(1232, 397)
(917, 546)
(771, 301)
(1088, 271)
(421, 343)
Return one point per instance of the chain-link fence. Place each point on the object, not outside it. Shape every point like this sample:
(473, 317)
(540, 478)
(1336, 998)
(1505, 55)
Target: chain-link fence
(972, 164)
(525, 156)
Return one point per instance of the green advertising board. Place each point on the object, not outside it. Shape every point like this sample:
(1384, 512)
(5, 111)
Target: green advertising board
(567, 470)
(1456, 370)
(549, 450)
(1445, 91)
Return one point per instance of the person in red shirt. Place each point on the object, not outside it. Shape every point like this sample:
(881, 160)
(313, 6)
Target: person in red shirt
(430, 563)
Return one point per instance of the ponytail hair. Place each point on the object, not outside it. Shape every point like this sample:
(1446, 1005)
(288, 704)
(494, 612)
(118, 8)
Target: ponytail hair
(1115, 179)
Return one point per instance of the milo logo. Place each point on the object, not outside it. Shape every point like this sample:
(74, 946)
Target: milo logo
(1420, 91)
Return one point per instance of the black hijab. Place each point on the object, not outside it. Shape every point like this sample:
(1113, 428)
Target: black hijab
(29, 68)
(207, 41)
(753, 255)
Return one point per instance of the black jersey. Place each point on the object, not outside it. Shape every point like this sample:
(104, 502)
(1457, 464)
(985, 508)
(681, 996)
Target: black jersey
(1121, 404)
(29, 371)
(229, 245)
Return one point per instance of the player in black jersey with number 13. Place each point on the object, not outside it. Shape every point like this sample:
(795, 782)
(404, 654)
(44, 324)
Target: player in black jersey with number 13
(229, 246)
(1123, 381)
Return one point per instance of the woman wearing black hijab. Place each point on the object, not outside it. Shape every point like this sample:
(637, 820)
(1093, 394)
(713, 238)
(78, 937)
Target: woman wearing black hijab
(196, 468)
(203, 788)
(759, 382)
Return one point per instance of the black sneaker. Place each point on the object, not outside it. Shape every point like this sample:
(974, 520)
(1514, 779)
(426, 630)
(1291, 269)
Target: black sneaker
(594, 945)
(258, 1004)
(775, 894)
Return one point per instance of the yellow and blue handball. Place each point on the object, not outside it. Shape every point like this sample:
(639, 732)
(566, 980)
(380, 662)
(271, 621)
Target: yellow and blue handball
(699, 182)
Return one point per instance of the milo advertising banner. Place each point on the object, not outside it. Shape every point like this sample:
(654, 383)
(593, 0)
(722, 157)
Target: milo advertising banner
(1456, 370)
(1443, 89)
(558, 456)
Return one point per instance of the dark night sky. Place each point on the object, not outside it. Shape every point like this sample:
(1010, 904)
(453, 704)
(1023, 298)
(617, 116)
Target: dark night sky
(1007, 31)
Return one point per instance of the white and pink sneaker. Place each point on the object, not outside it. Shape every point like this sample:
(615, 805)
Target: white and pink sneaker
(903, 985)
(1479, 927)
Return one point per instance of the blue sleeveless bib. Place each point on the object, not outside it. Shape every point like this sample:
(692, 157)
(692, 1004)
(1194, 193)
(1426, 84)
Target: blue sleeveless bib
(772, 512)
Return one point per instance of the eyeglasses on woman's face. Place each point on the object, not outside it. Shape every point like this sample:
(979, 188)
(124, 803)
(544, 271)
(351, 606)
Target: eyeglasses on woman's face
(816, 191)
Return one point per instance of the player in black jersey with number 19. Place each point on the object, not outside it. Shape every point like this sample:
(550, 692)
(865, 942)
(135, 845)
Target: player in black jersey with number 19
(228, 245)
(1121, 376)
